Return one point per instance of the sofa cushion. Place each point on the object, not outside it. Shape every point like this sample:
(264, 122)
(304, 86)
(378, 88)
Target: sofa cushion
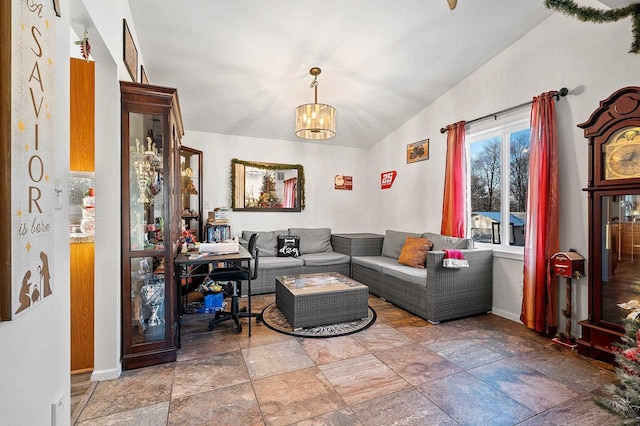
(414, 252)
(406, 273)
(322, 259)
(375, 263)
(267, 241)
(394, 241)
(441, 242)
(274, 262)
(313, 240)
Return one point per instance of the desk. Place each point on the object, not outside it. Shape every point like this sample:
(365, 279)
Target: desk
(200, 266)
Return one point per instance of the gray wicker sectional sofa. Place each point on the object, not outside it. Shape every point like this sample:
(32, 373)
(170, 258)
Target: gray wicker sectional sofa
(316, 255)
(435, 293)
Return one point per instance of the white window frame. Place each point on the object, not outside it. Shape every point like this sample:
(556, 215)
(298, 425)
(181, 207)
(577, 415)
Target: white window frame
(502, 126)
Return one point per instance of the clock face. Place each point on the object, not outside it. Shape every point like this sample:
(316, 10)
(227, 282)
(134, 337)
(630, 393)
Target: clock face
(622, 156)
(624, 161)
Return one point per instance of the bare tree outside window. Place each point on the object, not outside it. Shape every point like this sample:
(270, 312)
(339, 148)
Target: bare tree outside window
(485, 174)
(490, 177)
(519, 171)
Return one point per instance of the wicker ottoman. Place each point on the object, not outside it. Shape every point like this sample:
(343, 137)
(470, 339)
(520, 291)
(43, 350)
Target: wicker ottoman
(318, 299)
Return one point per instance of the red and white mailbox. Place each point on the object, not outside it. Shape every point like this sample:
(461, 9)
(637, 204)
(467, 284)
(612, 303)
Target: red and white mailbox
(567, 264)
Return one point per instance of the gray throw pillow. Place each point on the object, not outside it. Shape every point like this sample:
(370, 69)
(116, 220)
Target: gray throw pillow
(313, 240)
(394, 241)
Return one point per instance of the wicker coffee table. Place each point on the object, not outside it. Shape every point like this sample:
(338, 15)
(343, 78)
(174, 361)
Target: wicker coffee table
(309, 300)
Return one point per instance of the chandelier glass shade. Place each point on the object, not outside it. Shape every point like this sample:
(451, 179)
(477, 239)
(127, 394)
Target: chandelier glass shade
(315, 121)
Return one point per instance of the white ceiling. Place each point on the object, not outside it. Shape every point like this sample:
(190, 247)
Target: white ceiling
(242, 66)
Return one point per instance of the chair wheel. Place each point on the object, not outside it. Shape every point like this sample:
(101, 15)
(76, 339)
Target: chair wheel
(258, 318)
(211, 327)
(238, 329)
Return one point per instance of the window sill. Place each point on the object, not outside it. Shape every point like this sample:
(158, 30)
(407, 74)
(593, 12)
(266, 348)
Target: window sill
(513, 253)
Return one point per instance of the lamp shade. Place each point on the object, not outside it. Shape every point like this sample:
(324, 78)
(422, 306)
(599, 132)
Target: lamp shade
(315, 121)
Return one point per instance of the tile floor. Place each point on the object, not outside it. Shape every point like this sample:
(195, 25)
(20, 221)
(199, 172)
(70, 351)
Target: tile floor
(483, 370)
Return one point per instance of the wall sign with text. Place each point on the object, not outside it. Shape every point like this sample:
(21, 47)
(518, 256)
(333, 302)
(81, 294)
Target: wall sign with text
(31, 159)
(343, 182)
(387, 178)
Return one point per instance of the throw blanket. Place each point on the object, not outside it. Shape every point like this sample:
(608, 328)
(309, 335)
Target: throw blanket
(453, 254)
(454, 259)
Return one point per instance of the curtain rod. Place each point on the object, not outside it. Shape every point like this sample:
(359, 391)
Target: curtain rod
(558, 93)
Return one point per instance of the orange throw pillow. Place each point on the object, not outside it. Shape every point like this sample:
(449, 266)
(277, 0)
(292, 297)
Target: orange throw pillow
(414, 252)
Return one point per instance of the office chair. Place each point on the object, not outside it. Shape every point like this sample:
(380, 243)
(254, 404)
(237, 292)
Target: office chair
(236, 274)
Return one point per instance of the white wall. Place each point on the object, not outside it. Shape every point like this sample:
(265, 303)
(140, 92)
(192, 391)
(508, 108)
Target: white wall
(107, 294)
(35, 346)
(591, 60)
(106, 18)
(103, 21)
(340, 210)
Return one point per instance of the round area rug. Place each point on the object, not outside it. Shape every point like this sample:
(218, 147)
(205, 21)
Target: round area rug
(273, 318)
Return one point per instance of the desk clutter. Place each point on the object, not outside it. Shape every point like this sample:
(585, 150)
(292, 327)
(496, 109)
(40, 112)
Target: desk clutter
(232, 268)
(208, 297)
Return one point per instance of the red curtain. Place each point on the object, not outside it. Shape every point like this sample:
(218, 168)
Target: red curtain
(540, 301)
(454, 204)
(290, 193)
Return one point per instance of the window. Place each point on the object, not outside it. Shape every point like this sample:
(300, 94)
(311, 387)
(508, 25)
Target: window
(498, 178)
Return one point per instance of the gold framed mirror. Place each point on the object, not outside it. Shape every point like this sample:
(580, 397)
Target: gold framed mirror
(258, 186)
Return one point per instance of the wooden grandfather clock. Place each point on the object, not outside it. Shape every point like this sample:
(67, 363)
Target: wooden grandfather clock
(613, 132)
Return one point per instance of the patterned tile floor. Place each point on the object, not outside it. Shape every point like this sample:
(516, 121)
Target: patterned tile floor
(484, 370)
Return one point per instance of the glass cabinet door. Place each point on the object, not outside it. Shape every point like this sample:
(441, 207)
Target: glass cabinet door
(191, 190)
(146, 181)
(620, 267)
(147, 300)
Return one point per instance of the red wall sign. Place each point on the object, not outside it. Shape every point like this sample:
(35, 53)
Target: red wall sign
(387, 178)
(343, 182)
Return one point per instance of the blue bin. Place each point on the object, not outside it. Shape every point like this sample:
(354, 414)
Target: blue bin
(213, 300)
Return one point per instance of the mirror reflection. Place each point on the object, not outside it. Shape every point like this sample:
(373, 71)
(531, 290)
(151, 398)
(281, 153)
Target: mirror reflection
(258, 186)
(621, 254)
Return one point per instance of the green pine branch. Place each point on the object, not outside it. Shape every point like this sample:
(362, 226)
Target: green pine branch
(624, 396)
(590, 14)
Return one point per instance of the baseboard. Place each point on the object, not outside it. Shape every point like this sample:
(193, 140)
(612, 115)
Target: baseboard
(110, 374)
(504, 314)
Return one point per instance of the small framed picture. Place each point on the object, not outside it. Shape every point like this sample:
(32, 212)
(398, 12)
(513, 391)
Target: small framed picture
(143, 75)
(495, 232)
(130, 52)
(418, 151)
(343, 182)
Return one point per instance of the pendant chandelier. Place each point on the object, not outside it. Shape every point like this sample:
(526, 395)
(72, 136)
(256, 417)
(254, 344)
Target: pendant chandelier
(315, 121)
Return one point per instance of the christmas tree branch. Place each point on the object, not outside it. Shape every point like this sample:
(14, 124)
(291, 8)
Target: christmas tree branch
(590, 14)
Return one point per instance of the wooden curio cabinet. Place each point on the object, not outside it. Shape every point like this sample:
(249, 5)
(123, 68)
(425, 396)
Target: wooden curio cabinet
(151, 133)
(613, 132)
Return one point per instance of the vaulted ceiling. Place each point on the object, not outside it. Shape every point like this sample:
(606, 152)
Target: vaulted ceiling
(242, 66)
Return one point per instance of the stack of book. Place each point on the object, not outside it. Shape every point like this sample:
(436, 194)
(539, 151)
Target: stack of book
(219, 216)
(218, 228)
(216, 233)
